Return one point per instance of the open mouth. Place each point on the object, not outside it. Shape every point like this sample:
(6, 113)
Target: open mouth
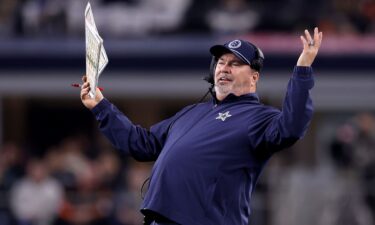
(224, 79)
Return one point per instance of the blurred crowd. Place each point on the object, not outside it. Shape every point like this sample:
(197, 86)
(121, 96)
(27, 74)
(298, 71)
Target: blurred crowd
(70, 184)
(336, 186)
(353, 154)
(67, 186)
(137, 18)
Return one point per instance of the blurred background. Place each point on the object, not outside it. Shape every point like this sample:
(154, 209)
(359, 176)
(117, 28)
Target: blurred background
(56, 168)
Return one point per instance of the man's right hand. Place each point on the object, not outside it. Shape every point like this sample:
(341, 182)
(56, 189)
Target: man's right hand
(90, 103)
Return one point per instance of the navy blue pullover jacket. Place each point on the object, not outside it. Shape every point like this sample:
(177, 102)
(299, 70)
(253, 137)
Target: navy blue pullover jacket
(209, 155)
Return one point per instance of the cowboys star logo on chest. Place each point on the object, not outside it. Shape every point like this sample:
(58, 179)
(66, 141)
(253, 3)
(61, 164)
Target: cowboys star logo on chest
(223, 116)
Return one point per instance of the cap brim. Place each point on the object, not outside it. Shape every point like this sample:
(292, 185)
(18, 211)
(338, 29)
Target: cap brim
(219, 50)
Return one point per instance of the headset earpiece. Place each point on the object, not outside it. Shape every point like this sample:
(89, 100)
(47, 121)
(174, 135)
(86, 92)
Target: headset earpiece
(211, 75)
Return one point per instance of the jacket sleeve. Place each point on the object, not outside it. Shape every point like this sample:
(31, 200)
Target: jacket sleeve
(288, 126)
(140, 143)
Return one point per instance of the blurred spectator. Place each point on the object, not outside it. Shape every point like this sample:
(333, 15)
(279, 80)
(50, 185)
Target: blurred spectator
(36, 198)
(44, 18)
(128, 200)
(354, 144)
(11, 164)
(73, 157)
(232, 17)
(8, 10)
(89, 197)
(11, 170)
(368, 11)
(194, 18)
(108, 170)
(343, 17)
(82, 205)
(341, 149)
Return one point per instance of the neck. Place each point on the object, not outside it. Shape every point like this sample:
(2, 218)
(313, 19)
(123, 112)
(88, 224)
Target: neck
(221, 96)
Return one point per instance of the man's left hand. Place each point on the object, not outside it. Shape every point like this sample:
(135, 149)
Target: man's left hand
(311, 46)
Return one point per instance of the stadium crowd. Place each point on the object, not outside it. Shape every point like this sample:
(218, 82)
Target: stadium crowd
(132, 18)
(69, 186)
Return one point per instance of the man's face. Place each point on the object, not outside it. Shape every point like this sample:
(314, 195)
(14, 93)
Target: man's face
(234, 76)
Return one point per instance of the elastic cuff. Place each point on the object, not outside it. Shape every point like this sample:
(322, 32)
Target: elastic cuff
(304, 72)
(104, 103)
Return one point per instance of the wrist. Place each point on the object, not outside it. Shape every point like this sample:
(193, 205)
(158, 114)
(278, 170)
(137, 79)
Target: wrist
(302, 71)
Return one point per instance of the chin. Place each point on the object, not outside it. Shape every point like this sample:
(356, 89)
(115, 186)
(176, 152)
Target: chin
(222, 90)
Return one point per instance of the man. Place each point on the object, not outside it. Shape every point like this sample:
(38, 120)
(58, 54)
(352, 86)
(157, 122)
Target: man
(209, 155)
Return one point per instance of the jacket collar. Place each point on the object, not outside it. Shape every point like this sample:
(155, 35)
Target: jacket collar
(250, 97)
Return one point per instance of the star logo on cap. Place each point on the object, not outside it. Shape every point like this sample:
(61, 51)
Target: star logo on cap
(234, 44)
(223, 116)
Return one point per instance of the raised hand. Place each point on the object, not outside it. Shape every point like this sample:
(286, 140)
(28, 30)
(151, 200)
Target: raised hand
(85, 98)
(311, 47)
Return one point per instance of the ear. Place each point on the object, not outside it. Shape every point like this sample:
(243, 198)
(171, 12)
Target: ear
(254, 77)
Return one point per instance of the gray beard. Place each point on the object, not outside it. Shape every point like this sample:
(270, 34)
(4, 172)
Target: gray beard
(223, 89)
(228, 89)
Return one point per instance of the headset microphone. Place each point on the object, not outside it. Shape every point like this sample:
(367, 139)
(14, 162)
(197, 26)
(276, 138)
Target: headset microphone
(211, 74)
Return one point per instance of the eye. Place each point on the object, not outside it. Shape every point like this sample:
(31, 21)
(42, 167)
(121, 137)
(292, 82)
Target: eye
(236, 63)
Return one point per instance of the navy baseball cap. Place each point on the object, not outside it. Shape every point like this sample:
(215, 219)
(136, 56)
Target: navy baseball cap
(244, 50)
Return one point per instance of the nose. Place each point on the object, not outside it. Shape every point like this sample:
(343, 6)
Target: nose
(223, 67)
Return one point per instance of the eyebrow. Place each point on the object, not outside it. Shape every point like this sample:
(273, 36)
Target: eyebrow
(233, 60)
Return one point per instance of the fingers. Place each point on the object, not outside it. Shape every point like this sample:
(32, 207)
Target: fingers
(308, 37)
(308, 41)
(85, 85)
(85, 89)
(318, 36)
(304, 42)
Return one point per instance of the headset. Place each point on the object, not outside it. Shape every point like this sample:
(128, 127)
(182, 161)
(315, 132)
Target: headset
(256, 64)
